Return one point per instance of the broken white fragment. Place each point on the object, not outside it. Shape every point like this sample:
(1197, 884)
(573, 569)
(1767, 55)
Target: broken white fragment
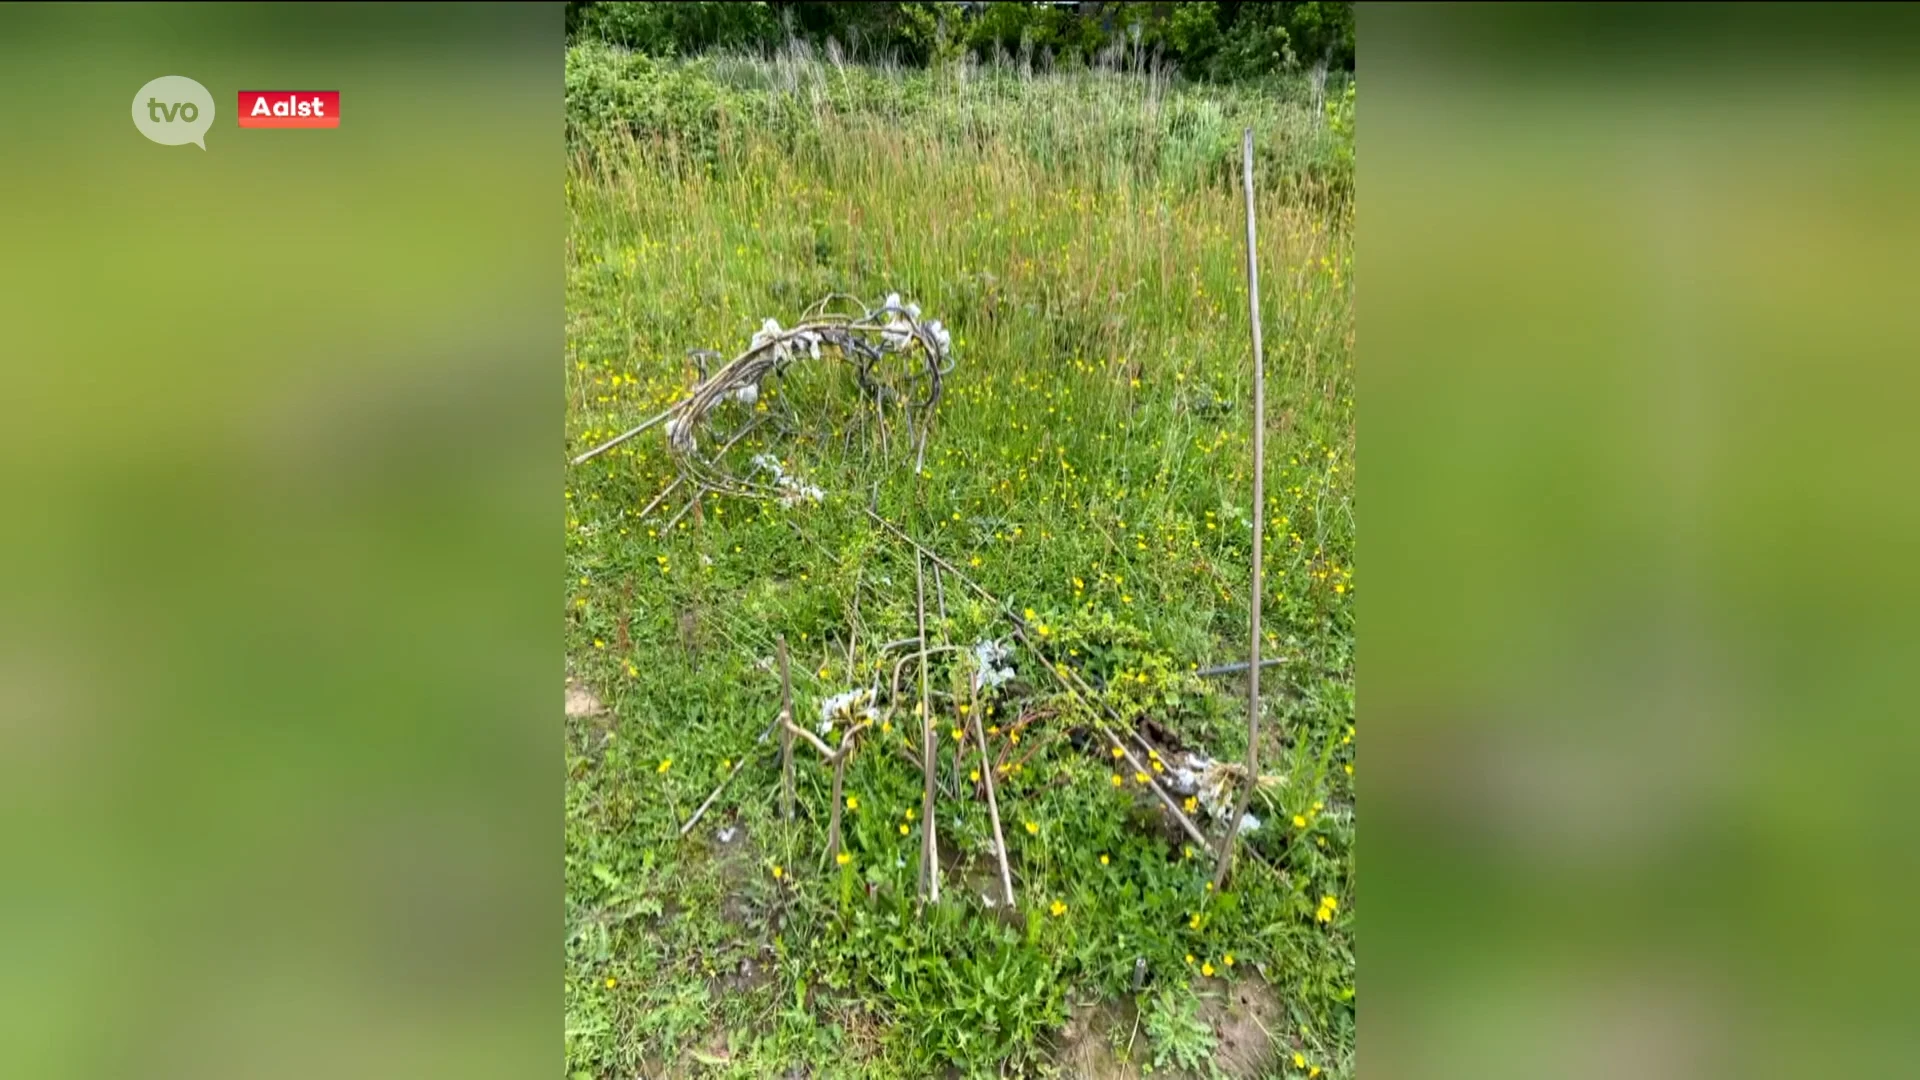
(796, 491)
(851, 706)
(992, 664)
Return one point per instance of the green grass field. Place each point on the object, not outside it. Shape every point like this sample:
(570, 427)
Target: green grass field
(1082, 236)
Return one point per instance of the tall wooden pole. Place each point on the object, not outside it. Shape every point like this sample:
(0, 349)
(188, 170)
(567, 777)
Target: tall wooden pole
(1259, 525)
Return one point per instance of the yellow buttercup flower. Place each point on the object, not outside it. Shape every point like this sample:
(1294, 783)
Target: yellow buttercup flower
(843, 858)
(1057, 908)
(904, 829)
(853, 802)
(1207, 969)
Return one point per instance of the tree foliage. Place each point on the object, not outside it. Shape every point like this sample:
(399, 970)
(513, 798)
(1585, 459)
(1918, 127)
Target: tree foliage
(1207, 39)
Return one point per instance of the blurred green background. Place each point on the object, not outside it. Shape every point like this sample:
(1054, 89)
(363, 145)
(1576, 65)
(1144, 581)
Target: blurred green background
(1637, 441)
(282, 468)
(279, 778)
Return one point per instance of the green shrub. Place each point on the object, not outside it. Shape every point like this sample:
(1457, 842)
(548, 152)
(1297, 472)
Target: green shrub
(674, 29)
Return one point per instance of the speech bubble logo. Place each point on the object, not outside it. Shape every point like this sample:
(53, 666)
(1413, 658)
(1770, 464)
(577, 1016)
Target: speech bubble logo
(173, 110)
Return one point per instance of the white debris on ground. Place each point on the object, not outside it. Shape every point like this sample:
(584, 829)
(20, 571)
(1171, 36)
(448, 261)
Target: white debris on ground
(783, 343)
(897, 333)
(992, 665)
(1212, 784)
(850, 707)
(793, 490)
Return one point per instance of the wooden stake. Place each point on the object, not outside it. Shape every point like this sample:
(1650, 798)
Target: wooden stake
(839, 780)
(738, 764)
(1065, 676)
(622, 437)
(930, 849)
(786, 735)
(1259, 526)
(993, 805)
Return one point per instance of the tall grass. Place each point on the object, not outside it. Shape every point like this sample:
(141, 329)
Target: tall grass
(1120, 120)
(1089, 462)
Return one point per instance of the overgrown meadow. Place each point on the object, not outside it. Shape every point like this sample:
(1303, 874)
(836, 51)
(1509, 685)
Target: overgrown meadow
(1081, 234)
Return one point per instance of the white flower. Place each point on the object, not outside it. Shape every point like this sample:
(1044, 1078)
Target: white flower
(913, 311)
(1248, 823)
(748, 394)
(893, 300)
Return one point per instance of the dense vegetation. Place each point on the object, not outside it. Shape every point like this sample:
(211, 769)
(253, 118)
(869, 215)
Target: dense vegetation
(1114, 122)
(1220, 41)
(1080, 232)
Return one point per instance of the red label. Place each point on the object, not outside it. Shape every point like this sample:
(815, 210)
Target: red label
(289, 108)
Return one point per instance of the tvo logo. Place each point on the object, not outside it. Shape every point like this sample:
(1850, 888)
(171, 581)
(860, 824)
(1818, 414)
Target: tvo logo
(174, 110)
